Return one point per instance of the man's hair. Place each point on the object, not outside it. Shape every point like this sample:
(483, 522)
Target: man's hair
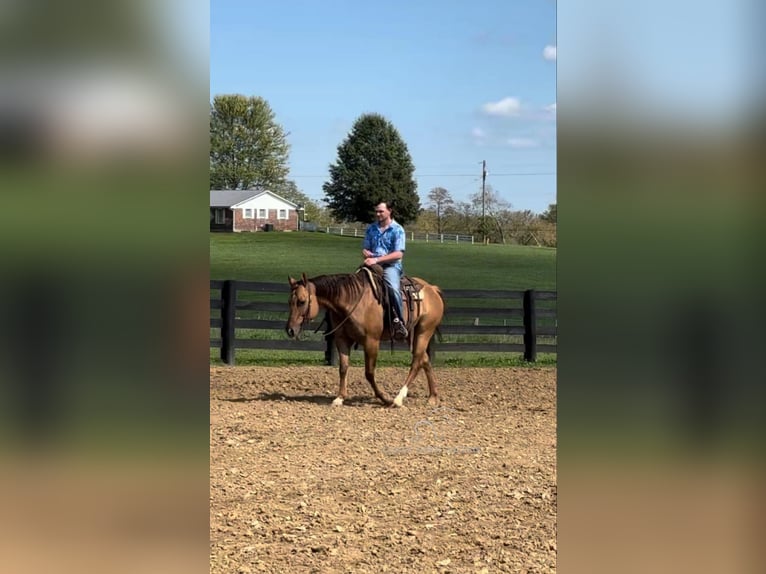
(388, 202)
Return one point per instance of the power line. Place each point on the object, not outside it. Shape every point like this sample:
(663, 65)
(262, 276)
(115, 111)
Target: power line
(493, 174)
(510, 174)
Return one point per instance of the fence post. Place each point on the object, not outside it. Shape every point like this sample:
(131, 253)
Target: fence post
(228, 316)
(530, 326)
(330, 351)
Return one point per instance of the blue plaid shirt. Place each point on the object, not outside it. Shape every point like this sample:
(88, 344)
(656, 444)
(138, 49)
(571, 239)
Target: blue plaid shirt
(388, 241)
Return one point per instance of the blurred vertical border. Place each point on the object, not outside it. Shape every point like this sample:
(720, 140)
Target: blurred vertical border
(103, 297)
(662, 399)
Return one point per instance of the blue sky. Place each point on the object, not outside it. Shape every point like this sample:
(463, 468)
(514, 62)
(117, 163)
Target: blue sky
(461, 81)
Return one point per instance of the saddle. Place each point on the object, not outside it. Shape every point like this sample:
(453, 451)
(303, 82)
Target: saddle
(410, 289)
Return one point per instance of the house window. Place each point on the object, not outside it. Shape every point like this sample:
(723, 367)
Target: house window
(220, 218)
(261, 214)
(282, 214)
(248, 213)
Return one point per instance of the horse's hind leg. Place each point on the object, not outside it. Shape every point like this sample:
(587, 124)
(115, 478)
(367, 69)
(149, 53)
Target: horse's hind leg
(370, 359)
(433, 392)
(419, 361)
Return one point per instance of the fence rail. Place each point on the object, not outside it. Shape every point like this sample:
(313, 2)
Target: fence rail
(519, 321)
(411, 235)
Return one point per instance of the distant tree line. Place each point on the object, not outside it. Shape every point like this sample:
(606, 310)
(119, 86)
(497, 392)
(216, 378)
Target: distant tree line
(500, 223)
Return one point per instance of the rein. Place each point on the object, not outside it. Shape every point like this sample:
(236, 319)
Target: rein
(308, 310)
(339, 325)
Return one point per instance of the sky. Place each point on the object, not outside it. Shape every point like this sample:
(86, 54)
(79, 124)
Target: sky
(461, 81)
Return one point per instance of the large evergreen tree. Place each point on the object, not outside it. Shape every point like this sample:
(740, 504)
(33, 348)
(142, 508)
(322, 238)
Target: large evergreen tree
(248, 148)
(373, 165)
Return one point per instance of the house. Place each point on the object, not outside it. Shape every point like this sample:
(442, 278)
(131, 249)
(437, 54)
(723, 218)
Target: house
(251, 210)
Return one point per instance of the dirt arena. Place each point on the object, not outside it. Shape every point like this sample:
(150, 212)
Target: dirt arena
(297, 485)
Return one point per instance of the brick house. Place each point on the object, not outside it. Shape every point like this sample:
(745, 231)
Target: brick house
(251, 210)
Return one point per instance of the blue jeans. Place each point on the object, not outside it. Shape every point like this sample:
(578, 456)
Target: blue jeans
(393, 278)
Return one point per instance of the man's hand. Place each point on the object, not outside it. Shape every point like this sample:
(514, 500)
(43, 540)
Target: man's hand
(367, 253)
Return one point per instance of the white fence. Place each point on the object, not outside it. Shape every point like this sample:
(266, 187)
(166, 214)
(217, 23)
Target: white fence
(411, 235)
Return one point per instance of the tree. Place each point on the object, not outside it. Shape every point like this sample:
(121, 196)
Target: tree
(462, 218)
(550, 215)
(289, 191)
(494, 205)
(373, 164)
(248, 148)
(440, 200)
(524, 226)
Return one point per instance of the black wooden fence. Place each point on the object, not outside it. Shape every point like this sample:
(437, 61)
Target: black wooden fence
(522, 321)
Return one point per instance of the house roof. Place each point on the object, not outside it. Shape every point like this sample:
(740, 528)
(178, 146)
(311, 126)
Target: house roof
(233, 197)
(229, 197)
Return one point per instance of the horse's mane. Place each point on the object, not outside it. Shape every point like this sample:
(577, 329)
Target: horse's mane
(340, 286)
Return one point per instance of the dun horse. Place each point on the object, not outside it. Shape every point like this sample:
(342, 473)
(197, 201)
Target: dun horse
(356, 313)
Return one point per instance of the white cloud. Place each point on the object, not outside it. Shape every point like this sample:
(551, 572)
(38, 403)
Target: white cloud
(549, 52)
(478, 133)
(522, 143)
(505, 107)
(551, 108)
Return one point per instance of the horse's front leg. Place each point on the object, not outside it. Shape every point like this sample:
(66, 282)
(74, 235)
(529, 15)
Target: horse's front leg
(370, 359)
(344, 348)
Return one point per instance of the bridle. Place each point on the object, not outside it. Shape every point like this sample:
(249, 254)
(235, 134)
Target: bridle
(305, 319)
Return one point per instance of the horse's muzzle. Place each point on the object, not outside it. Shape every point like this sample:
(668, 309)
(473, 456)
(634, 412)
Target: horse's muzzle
(290, 332)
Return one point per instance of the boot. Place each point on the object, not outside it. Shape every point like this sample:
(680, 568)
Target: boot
(400, 331)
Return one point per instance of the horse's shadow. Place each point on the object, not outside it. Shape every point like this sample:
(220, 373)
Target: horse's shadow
(315, 399)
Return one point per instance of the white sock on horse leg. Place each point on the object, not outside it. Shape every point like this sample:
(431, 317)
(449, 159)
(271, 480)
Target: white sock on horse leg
(338, 402)
(401, 396)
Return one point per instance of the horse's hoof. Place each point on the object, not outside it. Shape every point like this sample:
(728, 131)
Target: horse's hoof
(338, 402)
(400, 397)
(433, 401)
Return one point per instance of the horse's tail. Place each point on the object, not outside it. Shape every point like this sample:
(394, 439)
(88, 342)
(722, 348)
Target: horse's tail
(441, 296)
(444, 303)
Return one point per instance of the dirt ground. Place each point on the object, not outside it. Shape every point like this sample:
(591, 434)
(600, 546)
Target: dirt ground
(297, 485)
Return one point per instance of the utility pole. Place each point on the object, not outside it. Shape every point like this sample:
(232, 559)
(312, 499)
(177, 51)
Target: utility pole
(483, 220)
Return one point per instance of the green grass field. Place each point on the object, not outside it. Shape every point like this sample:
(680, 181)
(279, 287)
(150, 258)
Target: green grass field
(272, 257)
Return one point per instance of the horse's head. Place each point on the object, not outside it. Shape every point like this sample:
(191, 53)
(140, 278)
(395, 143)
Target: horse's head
(303, 305)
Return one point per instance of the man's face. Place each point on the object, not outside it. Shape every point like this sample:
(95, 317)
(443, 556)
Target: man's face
(382, 213)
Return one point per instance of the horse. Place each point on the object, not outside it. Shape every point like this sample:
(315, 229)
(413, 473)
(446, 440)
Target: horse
(356, 310)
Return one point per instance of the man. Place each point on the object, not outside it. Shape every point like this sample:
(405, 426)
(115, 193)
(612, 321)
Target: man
(384, 245)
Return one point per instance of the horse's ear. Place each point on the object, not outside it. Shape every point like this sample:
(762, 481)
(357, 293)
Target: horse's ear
(291, 281)
(305, 281)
